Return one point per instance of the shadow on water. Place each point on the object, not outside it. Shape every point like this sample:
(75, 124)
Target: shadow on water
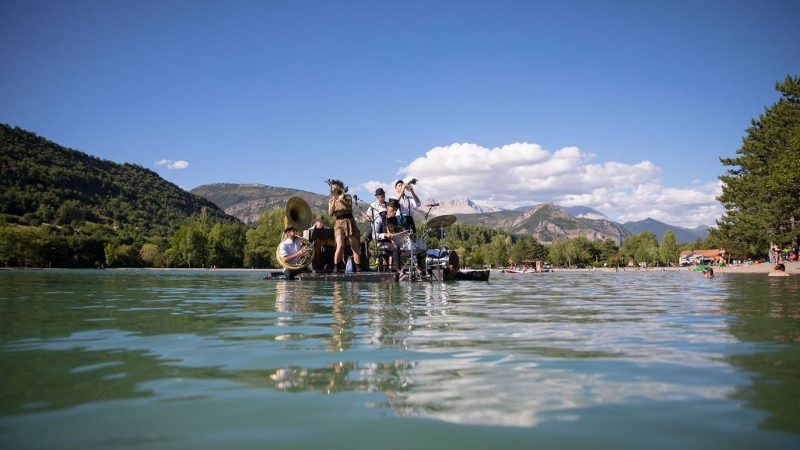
(766, 312)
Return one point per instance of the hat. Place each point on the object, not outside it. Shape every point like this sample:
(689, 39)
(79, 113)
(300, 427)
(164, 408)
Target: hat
(289, 228)
(393, 203)
(379, 191)
(319, 217)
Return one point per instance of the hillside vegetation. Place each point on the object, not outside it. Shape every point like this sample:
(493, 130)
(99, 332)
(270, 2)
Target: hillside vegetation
(47, 183)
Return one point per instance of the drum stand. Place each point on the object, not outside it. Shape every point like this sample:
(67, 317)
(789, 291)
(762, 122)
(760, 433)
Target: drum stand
(411, 270)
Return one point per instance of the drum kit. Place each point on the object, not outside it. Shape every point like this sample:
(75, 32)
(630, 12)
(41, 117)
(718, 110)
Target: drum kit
(436, 262)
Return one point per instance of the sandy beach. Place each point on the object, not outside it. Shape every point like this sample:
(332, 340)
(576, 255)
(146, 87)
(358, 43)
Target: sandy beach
(792, 268)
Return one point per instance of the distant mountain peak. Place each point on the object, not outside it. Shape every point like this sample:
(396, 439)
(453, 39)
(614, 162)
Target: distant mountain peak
(584, 212)
(461, 205)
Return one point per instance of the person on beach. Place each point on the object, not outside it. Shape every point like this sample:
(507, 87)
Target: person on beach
(778, 271)
(774, 253)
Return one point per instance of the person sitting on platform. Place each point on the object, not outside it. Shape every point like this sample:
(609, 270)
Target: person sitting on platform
(292, 251)
(386, 234)
(406, 197)
(375, 209)
(340, 205)
(321, 235)
(378, 206)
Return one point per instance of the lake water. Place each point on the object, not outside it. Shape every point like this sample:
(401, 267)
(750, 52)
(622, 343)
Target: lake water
(213, 360)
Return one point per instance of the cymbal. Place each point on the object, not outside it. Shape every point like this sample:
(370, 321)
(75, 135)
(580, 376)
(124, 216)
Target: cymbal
(441, 221)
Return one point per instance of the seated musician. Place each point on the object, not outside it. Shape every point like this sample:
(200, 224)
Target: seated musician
(321, 235)
(292, 251)
(376, 208)
(387, 232)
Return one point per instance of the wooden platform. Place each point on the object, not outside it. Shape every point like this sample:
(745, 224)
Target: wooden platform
(390, 277)
(473, 275)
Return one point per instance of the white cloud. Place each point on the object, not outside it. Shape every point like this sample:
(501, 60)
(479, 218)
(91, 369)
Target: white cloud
(525, 174)
(170, 164)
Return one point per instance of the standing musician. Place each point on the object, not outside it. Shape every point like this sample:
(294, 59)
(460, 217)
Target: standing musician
(341, 205)
(386, 232)
(406, 197)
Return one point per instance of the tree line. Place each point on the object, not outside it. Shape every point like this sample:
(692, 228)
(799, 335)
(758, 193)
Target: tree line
(205, 241)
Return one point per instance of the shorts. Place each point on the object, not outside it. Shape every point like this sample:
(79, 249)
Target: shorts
(346, 228)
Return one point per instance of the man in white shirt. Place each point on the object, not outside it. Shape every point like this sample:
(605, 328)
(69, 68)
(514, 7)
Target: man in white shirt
(292, 250)
(406, 197)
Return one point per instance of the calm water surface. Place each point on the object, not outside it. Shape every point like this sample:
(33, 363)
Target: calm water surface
(155, 359)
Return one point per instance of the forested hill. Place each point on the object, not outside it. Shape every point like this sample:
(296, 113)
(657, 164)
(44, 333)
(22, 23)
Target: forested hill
(45, 182)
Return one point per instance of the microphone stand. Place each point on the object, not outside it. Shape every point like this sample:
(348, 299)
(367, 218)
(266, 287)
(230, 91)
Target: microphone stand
(372, 225)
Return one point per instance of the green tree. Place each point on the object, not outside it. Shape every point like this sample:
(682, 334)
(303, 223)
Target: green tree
(578, 251)
(557, 253)
(262, 241)
(226, 244)
(189, 246)
(668, 250)
(761, 189)
(151, 255)
(498, 250)
(641, 248)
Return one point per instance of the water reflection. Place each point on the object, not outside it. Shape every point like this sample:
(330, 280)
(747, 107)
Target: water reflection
(512, 352)
(765, 313)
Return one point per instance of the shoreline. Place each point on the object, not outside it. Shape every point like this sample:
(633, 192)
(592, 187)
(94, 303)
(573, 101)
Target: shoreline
(792, 268)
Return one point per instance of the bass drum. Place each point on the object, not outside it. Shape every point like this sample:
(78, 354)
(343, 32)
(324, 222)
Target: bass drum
(446, 259)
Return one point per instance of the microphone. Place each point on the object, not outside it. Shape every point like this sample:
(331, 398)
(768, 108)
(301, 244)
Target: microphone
(430, 205)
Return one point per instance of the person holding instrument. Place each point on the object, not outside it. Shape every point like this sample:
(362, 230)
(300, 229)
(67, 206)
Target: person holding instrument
(406, 196)
(388, 233)
(340, 205)
(292, 250)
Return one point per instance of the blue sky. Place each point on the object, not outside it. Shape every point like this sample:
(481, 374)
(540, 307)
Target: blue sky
(624, 106)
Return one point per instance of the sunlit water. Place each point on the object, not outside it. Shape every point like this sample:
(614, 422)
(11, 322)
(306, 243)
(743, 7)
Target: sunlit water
(627, 360)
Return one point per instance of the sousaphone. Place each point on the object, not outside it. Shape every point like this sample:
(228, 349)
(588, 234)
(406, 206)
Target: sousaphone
(298, 215)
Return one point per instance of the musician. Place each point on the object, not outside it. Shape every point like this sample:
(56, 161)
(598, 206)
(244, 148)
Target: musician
(291, 251)
(345, 229)
(321, 235)
(387, 232)
(379, 205)
(376, 208)
(406, 197)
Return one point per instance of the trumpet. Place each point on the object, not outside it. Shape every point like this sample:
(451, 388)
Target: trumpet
(336, 187)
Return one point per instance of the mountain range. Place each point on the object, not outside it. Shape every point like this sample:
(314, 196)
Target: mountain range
(547, 222)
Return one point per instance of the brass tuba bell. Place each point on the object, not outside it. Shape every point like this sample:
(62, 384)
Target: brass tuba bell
(298, 215)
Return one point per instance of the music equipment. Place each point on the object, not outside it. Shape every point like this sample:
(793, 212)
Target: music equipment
(441, 221)
(445, 259)
(412, 242)
(298, 215)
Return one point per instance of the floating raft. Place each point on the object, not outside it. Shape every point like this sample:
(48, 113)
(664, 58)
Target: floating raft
(355, 276)
(465, 275)
(473, 275)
